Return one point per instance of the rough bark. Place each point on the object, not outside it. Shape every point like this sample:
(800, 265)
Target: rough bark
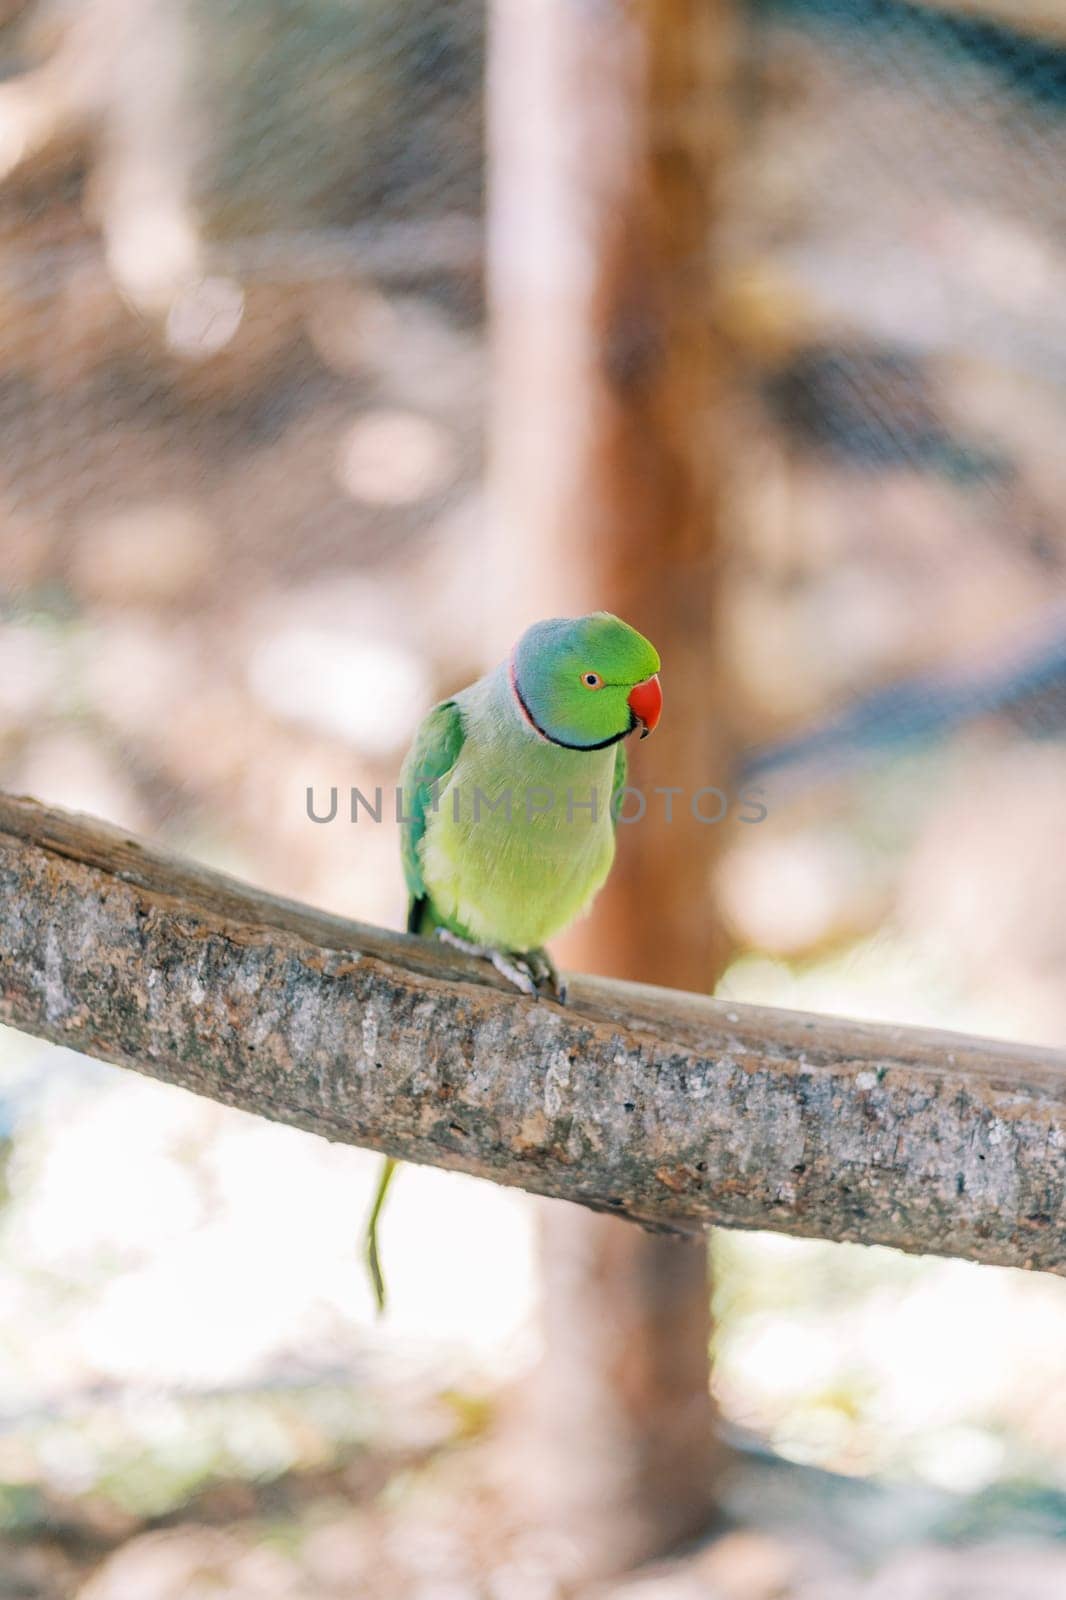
(670, 1109)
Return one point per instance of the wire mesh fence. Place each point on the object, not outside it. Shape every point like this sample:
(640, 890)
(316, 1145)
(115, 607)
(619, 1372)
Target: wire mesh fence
(897, 234)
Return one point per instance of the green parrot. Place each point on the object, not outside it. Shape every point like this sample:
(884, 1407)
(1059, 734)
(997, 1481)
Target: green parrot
(509, 794)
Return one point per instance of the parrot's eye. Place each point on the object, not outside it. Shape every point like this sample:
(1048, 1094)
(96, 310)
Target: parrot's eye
(592, 680)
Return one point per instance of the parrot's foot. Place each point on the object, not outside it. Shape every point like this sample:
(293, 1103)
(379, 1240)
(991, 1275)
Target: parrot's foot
(512, 967)
(546, 974)
(530, 972)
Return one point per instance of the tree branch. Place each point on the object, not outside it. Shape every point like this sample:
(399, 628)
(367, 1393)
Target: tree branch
(670, 1109)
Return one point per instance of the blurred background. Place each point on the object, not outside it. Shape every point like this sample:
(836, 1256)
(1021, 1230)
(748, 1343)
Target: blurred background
(244, 532)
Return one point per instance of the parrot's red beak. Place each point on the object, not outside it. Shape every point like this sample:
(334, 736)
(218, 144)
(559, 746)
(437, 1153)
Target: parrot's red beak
(646, 703)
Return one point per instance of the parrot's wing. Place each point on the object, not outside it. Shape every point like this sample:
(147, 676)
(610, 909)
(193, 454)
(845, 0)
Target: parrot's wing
(621, 769)
(431, 757)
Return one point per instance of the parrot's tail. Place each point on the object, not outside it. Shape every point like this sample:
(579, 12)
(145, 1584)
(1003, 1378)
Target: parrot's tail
(373, 1255)
(420, 919)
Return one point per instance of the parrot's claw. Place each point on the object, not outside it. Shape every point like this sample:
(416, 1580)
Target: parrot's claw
(532, 972)
(515, 970)
(546, 975)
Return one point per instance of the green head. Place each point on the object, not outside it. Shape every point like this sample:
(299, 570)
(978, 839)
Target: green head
(586, 682)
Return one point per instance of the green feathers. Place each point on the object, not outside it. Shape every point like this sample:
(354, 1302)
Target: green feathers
(429, 761)
(509, 790)
(573, 678)
(508, 787)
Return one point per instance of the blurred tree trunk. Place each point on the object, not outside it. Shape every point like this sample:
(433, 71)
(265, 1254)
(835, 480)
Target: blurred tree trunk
(607, 135)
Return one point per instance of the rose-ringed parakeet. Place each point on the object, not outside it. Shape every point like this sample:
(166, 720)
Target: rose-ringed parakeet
(509, 792)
